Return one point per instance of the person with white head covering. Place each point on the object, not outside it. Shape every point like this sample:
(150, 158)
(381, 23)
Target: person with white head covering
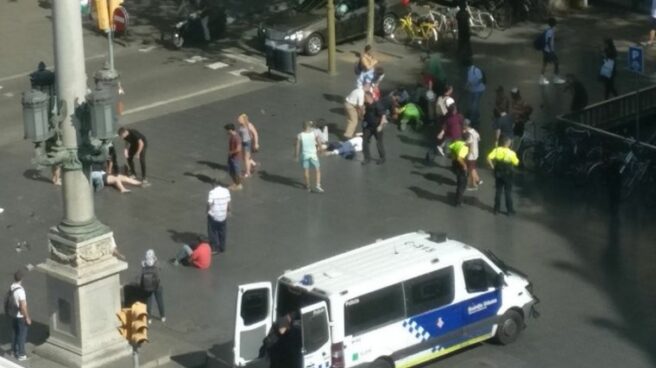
(151, 284)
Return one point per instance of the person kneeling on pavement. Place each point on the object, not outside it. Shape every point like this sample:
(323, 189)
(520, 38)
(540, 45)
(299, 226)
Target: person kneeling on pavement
(199, 255)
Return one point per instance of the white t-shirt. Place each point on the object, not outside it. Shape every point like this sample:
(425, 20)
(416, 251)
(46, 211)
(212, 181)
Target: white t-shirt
(356, 97)
(474, 138)
(218, 200)
(475, 79)
(19, 295)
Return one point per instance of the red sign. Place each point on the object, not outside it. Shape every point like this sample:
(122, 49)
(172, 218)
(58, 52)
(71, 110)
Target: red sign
(120, 19)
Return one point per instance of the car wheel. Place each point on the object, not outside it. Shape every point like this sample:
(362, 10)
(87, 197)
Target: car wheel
(314, 44)
(381, 363)
(389, 24)
(510, 325)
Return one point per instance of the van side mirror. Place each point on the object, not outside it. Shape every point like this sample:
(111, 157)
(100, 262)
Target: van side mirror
(499, 281)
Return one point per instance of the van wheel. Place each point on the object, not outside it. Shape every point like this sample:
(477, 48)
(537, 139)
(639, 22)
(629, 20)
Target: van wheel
(510, 325)
(381, 363)
(389, 24)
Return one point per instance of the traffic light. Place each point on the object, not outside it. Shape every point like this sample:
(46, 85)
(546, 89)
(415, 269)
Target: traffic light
(124, 318)
(102, 16)
(138, 324)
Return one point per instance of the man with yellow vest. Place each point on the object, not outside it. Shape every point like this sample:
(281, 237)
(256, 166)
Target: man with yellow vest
(459, 151)
(502, 160)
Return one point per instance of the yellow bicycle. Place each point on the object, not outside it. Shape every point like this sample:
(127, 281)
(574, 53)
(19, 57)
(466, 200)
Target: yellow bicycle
(421, 29)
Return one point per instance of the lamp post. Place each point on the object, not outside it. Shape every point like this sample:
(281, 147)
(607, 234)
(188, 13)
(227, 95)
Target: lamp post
(82, 275)
(332, 67)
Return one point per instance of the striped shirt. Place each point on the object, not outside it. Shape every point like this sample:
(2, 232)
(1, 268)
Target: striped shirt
(218, 200)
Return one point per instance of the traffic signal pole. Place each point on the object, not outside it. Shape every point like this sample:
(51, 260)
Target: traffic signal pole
(135, 356)
(332, 67)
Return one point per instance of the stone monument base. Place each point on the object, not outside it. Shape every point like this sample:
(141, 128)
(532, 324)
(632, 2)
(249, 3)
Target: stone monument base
(82, 280)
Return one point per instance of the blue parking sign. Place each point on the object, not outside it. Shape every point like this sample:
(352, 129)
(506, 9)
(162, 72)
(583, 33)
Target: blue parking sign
(636, 60)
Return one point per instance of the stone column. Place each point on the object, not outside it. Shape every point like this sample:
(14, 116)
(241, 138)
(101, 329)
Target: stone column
(82, 275)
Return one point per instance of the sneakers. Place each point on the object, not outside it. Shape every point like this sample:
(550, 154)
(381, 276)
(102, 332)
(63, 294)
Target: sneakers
(145, 183)
(380, 161)
(440, 150)
(163, 319)
(234, 187)
(543, 81)
(479, 182)
(558, 80)
(21, 358)
(318, 189)
(471, 189)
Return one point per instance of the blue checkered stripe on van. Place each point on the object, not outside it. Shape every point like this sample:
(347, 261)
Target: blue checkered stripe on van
(416, 330)
(325, 364)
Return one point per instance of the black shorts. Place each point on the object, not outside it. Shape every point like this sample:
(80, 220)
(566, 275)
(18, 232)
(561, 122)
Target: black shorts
(549, 57)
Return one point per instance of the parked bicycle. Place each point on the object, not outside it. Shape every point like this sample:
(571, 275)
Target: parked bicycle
(419, 26)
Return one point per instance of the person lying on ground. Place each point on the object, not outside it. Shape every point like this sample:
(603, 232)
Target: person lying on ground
(346, 149)
(101, 178)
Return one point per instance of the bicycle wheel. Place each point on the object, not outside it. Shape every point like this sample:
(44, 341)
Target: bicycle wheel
(485, 29)
(529, 161)
(503, 17)
(430, 41)
(402, 34)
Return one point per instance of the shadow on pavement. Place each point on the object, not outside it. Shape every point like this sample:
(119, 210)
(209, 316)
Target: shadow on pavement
(278, 179)
(413, 141)
(213, 165)
(448, 199)
(34, 174)
(203, 178)
(183, 237)
(37, 334)
(333, 98)
(437, 178)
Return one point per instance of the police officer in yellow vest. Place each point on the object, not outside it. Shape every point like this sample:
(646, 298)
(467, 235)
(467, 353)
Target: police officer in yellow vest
(502, 160)
(459, 151)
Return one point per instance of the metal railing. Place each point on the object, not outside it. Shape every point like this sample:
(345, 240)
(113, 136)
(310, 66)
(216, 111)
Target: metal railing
(618, 110)
(621, 110)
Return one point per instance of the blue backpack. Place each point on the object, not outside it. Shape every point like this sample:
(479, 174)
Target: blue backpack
(540, 41)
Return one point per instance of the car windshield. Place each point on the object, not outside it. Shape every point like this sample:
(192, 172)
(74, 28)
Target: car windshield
(306, 5)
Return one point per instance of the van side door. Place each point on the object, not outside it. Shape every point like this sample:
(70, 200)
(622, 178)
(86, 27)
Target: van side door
(350, 17)
(315, 331)
(253, 321)
(483, 299)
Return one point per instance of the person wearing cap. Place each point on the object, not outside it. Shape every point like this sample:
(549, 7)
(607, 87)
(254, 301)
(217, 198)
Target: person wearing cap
(473, 180)
(20, 317)
(502, 160)
(459, 151)
(520, 112)
(283, 344)
(151, 284)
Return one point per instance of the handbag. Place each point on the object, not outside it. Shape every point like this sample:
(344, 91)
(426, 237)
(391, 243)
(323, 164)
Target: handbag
(607, 68)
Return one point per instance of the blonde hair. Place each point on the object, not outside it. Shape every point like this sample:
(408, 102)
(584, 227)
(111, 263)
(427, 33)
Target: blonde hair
(243, 119)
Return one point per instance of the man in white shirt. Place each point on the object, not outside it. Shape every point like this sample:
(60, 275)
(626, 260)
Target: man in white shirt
(354, 106)
(20, 317)
(549, 54)
(218, 207)
(475, 87)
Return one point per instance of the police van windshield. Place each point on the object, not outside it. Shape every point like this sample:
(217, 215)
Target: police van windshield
(291, 299)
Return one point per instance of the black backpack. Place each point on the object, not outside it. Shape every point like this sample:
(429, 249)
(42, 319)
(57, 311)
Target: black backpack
(11, 309)
(540, 41)
(149, 279)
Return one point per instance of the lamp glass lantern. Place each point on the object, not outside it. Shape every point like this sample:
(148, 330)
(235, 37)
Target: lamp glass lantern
(103, 120)
(35, 116)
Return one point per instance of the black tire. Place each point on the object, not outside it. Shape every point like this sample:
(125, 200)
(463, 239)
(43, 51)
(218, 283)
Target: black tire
(509, 327)
(381, 363)
(528, 161)
(390, 24)
(313, 44)
(485, 31)
(503, 17)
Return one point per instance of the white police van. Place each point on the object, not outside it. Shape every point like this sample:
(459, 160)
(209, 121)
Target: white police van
(397, 302)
